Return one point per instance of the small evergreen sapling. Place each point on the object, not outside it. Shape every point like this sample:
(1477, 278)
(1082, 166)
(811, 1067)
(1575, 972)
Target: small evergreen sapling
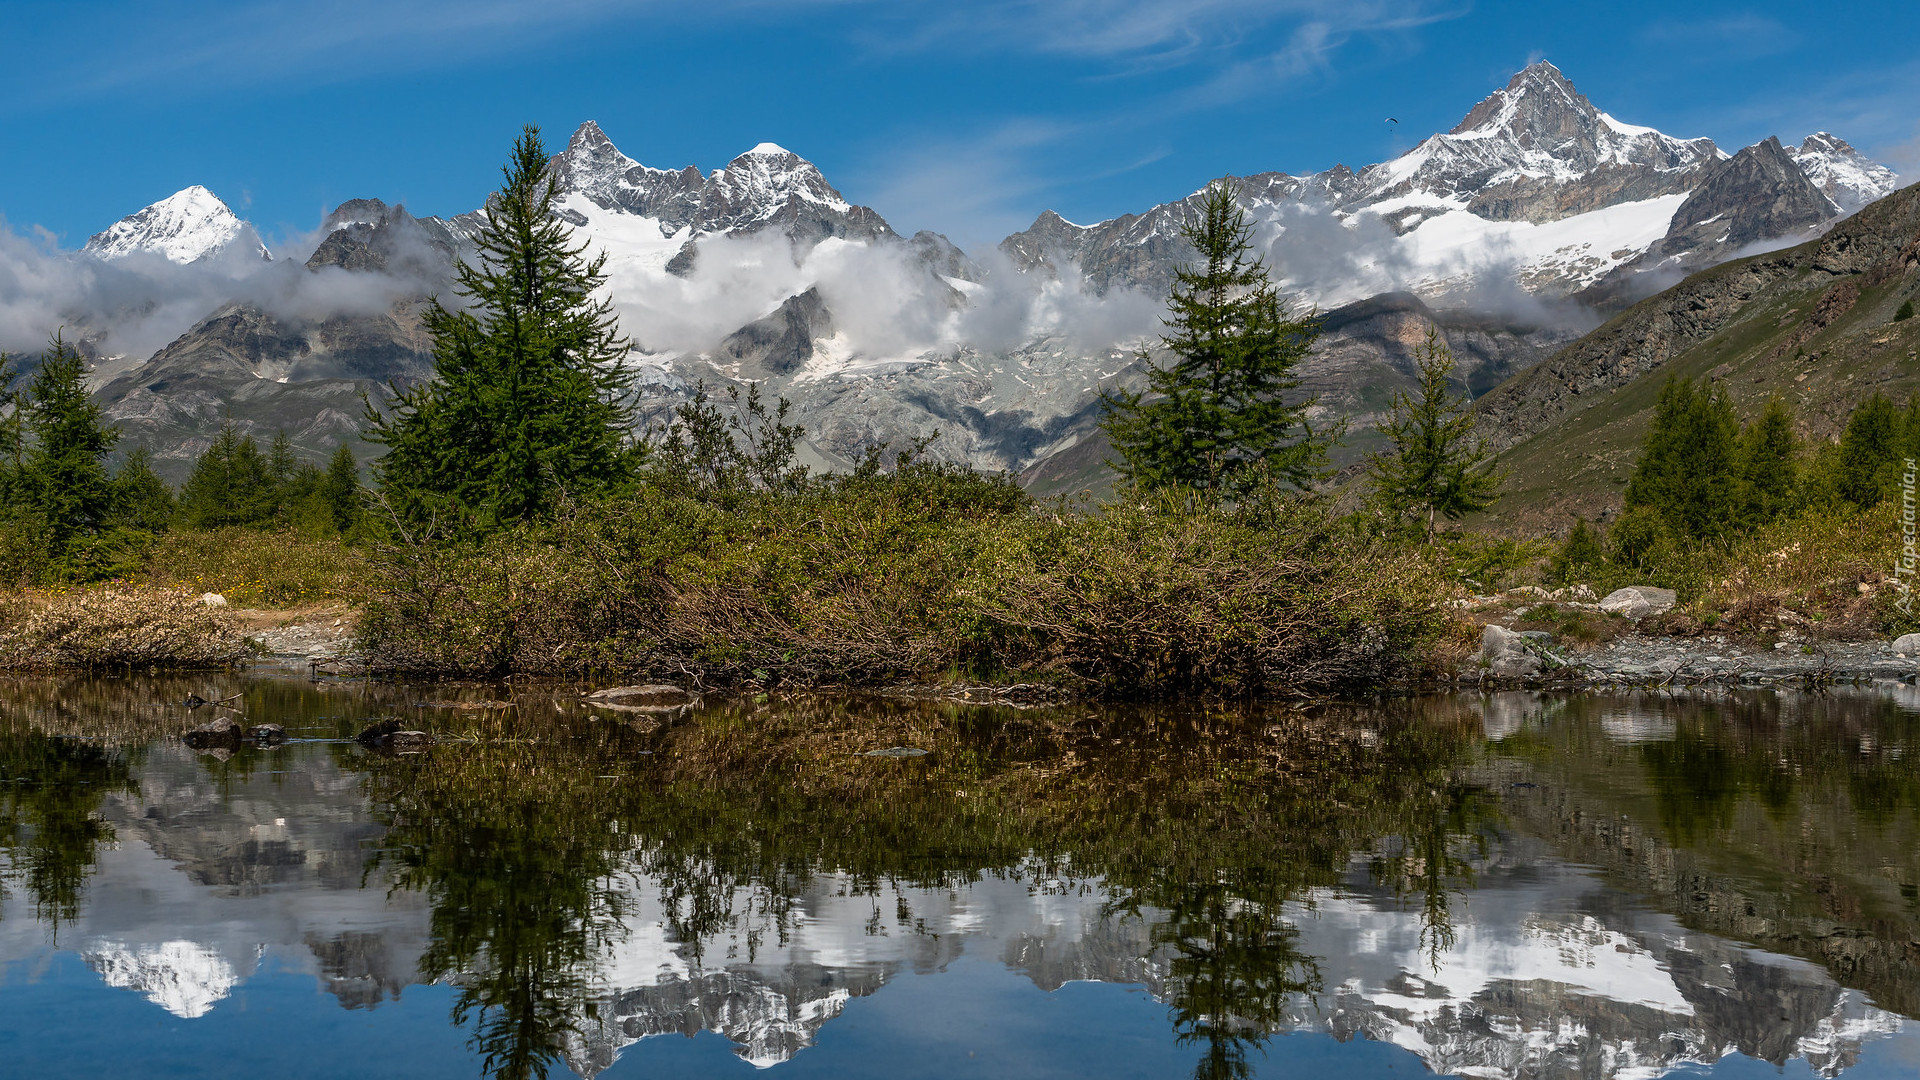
(1905, 312)
(1438, 466)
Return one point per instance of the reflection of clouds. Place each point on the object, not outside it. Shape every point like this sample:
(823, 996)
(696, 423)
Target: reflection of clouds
(1547, 972)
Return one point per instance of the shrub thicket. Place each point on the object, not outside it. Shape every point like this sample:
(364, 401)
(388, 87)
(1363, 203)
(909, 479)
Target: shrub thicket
(923, 572)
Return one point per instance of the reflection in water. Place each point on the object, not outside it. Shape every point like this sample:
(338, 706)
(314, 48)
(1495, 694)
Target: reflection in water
(49, 827)
(1412, 873)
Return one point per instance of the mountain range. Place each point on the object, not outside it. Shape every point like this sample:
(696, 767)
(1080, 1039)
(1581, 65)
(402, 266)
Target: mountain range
(1532, 221)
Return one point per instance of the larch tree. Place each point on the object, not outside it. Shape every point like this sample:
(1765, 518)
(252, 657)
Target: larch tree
(529, 397)
(1437, 465)
(63, 471)
(1215, 419)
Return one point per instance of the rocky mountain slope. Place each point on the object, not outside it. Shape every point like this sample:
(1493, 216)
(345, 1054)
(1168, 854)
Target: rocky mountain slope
(1536, 187)
(1507, 230)
(1812, 324)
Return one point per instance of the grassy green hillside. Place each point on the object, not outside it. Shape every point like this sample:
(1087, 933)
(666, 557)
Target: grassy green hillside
(1814, 325)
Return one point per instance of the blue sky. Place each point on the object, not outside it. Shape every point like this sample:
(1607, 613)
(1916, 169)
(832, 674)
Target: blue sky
(964, 118)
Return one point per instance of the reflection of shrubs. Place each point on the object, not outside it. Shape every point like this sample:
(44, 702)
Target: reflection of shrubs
(118, 627)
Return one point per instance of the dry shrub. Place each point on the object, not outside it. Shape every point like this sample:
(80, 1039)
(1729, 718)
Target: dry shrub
(118, 627)
(1823, 572)
(1152, 600)
(865, 586)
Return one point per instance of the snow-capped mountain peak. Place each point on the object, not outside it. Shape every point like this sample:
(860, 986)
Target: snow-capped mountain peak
(1848, 177)
(1537, 128)
(768, 175)
(187, 226)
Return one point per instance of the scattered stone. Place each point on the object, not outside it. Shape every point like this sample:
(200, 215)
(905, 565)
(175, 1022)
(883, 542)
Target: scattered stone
(223, 732)
(1638, 601)
(394, 735)
(1905, 645)
(213, 599)
(650, 694)
(267, 733)
(898, 752)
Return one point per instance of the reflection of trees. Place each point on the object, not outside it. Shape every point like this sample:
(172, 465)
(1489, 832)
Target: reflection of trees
(50, 794)
(1207, 825)
(1789, 820)
(516, 849)
(1235, 967)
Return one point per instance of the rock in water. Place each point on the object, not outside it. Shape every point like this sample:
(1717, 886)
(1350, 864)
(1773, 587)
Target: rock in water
(650, 694)
(1638, 601)
(267, 733)
(214, 733)
(395, 736)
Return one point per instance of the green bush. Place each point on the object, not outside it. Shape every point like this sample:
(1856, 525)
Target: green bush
(932, 573)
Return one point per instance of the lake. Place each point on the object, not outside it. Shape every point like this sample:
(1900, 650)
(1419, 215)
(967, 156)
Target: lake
(1504, 885)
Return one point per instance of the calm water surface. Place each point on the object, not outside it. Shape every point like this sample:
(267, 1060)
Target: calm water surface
(1490, 886)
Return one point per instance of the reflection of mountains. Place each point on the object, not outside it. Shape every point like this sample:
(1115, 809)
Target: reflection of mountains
(1545, 971)
(1549, 974)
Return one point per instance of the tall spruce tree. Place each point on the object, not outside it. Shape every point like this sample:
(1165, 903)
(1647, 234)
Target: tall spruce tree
(340, 489)
(1215, 419)
(63, 472)
(1688, 469)
(529, 397)
(1438, 466)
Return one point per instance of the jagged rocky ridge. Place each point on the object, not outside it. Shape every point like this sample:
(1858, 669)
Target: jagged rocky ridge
(1506, 230)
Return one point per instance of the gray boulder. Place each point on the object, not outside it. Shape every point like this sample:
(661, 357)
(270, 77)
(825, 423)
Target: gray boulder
(1638, 601)
(1505, 652)
(1907, 645)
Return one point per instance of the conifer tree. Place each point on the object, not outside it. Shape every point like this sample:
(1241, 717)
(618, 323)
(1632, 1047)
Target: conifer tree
(281, 464)
(64, 469)
(1688, 473)
(1769, 466)
(1215, 419)
(1437, 465)
(141, 500)
(339, 488)
(231, 484)
(1869, 453)
(528, 397)
(1905, 312)
(1581, 553)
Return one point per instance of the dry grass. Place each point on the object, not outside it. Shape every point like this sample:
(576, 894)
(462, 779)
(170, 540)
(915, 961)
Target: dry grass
(259, 569)
(116, 626)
